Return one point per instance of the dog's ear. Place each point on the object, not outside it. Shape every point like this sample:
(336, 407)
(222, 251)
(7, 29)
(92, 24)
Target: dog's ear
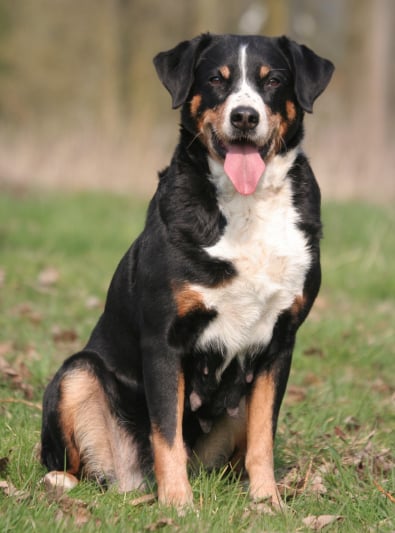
(176, 67)
(312, 73)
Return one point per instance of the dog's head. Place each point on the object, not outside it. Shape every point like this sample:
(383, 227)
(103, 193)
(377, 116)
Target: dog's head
(243, 96)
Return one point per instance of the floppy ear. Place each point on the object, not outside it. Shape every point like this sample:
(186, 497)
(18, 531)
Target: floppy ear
(176, 67)
(312, 73)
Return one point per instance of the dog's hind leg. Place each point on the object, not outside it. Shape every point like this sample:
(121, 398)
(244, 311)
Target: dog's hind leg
(81, 434)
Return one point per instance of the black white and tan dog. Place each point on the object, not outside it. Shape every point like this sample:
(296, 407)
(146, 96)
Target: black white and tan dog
(192, 353)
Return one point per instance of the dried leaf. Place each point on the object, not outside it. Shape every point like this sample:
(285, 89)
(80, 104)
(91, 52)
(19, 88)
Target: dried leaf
(290, 484)
(4, 462)
(48, 277)
(9, 490)
(29, 353)
(26, 310)
(6, 487)
(162, 522)
(16, 378)
(63, 335)
(81, 516)
(143, 500)
(76, 509)
(340, 433)
(317, 485)
(319, 522)
(23, 402)
(312, 379)
(380, 385)
(379, 462)
(259, 508)
(352, 423)
(383, 491)
(93, 302)
(6, 369)
(5, 348)
(295, 394)
(295, 482)
(313, 351)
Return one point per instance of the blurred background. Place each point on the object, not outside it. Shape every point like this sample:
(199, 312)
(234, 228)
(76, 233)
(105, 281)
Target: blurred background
(81, 106)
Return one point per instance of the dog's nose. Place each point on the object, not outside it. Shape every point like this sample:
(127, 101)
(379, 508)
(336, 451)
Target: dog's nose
(244, 118)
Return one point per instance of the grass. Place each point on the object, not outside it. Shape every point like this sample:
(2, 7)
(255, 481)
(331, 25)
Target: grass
(337, 424)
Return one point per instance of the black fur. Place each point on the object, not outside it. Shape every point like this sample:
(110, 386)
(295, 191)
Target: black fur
(142, 340)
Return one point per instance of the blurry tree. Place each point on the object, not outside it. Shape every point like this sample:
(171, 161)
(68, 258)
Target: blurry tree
(70, 69)
(5, 28)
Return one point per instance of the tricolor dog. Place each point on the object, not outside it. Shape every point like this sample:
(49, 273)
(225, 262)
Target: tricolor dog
(191, 356)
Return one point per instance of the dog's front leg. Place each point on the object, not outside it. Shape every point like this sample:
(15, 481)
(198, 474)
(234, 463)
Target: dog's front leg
(165, 388)
(263, 405)
(260, 438)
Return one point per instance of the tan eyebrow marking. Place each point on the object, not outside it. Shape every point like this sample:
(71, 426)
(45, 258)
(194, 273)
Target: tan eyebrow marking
(264, 71)
(225, 72)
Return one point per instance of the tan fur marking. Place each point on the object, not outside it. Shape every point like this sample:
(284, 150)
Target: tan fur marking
(211, 119)
(225, 72)
(187, 300)
(170, 462)
(278, 127)
(291, 110)
(259, 458)
(195, 104)
(94, 439)
(297, 305)
(264, 71)
(71, 399)
(281, 127)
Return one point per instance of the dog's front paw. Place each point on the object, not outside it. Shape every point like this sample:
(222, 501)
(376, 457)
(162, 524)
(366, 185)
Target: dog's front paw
(177, 494)
(266, 491)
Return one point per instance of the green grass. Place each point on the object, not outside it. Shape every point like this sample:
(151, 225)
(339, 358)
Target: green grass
(337, 423)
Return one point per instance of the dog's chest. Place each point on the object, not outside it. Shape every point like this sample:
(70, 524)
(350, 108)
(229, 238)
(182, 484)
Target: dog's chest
(271, 257)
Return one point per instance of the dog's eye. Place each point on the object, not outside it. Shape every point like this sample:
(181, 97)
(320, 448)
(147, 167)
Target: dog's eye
(273, 83)
(215, 80)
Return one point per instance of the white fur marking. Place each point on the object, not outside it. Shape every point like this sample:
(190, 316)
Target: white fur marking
(246, 95)
(269, 252)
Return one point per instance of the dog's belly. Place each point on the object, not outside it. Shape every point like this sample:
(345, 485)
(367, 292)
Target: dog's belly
(271, 256)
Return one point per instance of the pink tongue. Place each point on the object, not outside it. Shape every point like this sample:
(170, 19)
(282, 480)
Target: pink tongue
(244, 166)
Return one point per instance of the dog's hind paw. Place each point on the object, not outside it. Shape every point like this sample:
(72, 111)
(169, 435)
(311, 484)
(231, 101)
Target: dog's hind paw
(59, 482)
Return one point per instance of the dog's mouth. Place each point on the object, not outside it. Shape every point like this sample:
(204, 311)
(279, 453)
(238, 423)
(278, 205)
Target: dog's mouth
(243, 162)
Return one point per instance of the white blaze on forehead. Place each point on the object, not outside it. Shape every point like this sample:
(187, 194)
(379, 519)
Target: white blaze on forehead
(243, 63)
(245, 95)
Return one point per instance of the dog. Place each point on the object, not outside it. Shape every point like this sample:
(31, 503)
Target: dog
(191, 356)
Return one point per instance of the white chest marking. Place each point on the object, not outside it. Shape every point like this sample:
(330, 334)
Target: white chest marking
(270, 254)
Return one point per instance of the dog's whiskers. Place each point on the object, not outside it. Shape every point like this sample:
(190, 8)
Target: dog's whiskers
(194, 139)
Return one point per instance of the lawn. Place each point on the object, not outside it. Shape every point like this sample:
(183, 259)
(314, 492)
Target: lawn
(337, 424)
